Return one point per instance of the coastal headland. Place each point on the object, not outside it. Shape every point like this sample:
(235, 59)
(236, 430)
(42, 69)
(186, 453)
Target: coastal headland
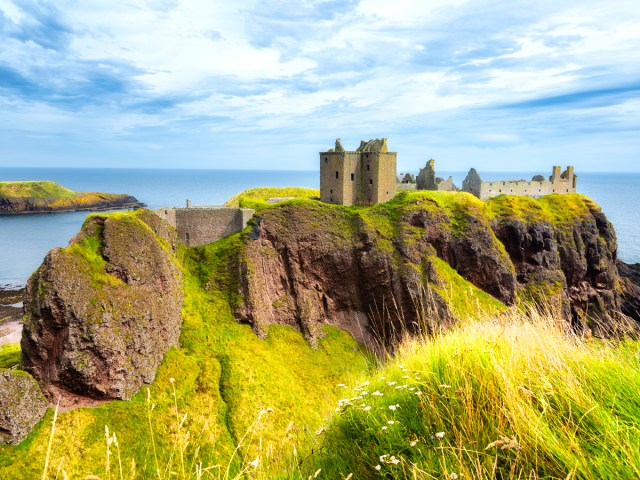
(396, 328)
(49, 197)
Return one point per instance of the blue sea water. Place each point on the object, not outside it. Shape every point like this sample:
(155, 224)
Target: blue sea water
(25, 239)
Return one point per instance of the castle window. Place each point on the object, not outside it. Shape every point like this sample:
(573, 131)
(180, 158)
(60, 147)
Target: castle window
(186, 237)
(330, 191)
(166, 212)
(567, 189)
(370, 181)
(352, 177)
(326, 159)
(337, 176)
(499, 191)
(368, 167)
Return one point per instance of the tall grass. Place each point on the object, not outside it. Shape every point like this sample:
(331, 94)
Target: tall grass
(517, 396)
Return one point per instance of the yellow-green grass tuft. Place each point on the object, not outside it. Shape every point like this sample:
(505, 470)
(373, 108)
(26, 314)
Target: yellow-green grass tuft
(512, 397)
(9, 355)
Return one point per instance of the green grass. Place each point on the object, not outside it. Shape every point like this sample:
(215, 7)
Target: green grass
(207, 395)
(463, 298)
(256, 198)
(44, 190)
(515, 397)
(10, 355)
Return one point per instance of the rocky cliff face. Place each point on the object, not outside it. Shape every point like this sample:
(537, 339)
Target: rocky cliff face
(101, 313)
(369, 271)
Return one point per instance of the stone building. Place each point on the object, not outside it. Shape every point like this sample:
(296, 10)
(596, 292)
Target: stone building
(363, 177)
(427, 180)
(202, 225)
(564, 182)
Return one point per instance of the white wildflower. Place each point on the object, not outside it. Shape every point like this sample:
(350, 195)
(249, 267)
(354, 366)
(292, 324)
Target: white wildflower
(413, 443)
(367, 408)
(377, 393)
(254, 464)
(391, 422)
(444, 385)
(391, 384)
(394, 407)
(453, 476)
(440, 435)
(377, 467)
(341, 385)
(384, 428)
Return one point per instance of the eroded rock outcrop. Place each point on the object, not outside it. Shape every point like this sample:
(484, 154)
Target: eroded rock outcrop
(309, 264)
(22, 405)
(101, 313)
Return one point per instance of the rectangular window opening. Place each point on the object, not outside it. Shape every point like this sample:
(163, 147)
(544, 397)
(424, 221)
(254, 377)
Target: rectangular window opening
(352, 177)
(337, 176)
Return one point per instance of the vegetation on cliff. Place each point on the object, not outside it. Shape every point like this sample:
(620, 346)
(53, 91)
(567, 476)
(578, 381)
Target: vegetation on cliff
(48, 196)
(503, 394)
(520, 396)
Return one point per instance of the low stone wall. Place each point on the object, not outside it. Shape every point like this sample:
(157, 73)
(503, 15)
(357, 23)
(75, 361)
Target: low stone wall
(405, 186)
(200, 226)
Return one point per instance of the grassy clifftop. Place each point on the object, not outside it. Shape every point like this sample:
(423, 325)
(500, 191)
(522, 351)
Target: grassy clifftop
(48, 196)
(44, 190)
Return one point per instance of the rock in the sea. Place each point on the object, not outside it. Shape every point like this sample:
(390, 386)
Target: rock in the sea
(101, 313)
(22, 405)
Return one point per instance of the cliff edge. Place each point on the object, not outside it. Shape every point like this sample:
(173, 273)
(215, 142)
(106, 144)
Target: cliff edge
(426, 258)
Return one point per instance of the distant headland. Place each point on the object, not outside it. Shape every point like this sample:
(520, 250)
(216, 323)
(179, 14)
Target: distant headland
(49, 197)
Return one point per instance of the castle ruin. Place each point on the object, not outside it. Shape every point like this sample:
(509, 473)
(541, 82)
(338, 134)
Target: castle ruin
(364, 177)
(427, 180)
(197, 226)
(564, 182)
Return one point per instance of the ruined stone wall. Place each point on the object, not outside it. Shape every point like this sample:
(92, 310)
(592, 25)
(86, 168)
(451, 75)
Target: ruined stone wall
(357, 178)
(332, 177)
(200, 226)
(386, 173)
(402, 187)
(522, 187)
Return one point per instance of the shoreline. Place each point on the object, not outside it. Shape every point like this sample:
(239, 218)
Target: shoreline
(132, 206)
(10, 314)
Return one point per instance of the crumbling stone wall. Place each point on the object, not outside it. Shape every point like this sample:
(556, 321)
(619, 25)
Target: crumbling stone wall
(427, 180)
(200, 226)
(564, 182)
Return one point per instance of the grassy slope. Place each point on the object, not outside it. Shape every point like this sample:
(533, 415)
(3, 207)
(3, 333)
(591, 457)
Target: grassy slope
(49, 194)
(510, 398)
(44, 190)
(224, 377)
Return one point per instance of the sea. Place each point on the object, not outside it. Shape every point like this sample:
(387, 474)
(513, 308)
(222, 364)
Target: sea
(25, 239)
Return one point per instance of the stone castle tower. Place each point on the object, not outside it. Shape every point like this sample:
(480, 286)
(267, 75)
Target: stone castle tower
(364, 177)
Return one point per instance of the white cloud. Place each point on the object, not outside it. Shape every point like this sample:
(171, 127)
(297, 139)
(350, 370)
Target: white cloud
(442, 67)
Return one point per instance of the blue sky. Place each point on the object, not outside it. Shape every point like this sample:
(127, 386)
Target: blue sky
(266, 84)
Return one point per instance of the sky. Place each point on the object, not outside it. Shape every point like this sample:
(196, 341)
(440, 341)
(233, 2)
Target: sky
(515, 85)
